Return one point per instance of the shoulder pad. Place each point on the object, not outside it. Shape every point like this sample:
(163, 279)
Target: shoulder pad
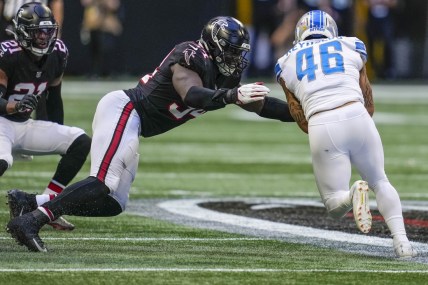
(356, 45)
(10, 47)
(60, 47)
(62, 53)
(193, 56)
(360, 47)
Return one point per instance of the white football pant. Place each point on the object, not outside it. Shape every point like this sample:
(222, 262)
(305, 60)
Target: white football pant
(344, 137)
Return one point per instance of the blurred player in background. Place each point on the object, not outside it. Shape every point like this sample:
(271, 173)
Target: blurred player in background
(195, 77)
(330, 97)
(31, 70)
(101, 30)
(8, 9)
(380, 29)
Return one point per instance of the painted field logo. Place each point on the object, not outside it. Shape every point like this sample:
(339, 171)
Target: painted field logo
(314, 215)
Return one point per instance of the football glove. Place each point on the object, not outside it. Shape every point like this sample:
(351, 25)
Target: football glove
(248, 93)
(27, 104)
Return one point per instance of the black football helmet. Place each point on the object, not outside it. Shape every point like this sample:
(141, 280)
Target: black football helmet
(227, 41)
(35, 28)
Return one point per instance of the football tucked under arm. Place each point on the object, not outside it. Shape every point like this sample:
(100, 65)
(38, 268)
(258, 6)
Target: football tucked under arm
(295, 107)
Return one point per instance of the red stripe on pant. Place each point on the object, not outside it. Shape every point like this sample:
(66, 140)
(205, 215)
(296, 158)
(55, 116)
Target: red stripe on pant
(115, 142)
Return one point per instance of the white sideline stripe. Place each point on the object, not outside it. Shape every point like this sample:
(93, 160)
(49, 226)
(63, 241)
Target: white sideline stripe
(147, 239)
(232, 270)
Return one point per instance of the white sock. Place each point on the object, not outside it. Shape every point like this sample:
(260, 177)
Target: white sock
(41, 199)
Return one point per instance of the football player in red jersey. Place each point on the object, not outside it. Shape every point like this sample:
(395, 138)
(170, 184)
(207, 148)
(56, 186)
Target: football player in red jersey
(195, 77)
(31, 69)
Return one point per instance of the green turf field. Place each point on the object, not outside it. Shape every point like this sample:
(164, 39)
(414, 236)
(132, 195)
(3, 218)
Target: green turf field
(227, 153)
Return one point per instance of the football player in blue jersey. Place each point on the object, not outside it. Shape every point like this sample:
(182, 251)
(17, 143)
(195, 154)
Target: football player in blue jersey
(325, 82)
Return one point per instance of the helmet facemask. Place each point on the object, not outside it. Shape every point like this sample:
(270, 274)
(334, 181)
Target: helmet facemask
(35, 29)
(227, 41)
(231, 60)
(39, 40)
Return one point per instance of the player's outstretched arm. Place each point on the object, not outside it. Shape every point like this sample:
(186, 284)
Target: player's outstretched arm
(189, 86)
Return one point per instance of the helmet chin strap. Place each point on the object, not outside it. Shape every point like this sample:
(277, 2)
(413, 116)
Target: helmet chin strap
(11, 32)
(225, 70)
(38, 52)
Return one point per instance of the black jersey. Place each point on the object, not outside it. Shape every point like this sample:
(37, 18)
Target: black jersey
(25, 76)
(160, 107)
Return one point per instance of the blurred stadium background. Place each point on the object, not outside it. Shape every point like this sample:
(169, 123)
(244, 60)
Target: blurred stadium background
(209, 158)
(152, 27)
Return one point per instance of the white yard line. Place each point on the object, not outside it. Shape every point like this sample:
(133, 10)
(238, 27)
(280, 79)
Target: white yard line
(231, 270)
(145, 239)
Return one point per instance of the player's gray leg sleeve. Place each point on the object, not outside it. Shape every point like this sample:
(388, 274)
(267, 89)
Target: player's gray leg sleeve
(128, 175)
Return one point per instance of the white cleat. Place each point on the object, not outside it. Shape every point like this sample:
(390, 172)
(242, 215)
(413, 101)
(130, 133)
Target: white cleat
(404, 250)
(360, 204)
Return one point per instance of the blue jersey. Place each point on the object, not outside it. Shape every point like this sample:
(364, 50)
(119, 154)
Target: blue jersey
(323, 73)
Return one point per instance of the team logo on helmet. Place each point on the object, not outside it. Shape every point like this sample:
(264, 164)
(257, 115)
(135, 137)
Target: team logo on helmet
(20, 12)
(217, 26)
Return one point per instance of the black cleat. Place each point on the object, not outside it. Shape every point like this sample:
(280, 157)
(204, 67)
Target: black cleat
(25, 230)
(20, 202)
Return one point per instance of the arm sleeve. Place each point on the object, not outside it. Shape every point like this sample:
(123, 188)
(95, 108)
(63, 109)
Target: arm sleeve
(3, 102)
(274, 108)
(54, 105)
(206, 99)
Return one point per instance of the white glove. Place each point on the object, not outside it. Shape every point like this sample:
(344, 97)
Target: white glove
(252, 92)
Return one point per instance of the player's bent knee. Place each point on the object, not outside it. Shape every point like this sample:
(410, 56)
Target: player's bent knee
(81, 146)
(114, 207)
(121, 194)
(3, 166)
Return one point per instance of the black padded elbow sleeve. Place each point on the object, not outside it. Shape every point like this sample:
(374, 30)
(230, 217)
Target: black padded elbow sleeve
(3, 102)
(206, 99)
(3, 105)
(274, 108)
(54, 105)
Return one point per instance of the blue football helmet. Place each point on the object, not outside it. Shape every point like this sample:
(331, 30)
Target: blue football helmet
(315, 24)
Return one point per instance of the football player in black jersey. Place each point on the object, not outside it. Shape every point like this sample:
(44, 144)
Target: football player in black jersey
(195, 77)
(31, 69)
